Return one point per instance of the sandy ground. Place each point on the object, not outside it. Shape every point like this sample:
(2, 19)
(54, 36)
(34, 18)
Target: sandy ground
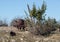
(25, 36)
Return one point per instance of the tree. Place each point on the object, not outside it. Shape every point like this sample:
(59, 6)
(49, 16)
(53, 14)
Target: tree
(37, 14)
(40, 12)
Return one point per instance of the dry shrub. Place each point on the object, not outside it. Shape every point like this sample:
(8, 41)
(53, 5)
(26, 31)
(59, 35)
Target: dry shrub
(19, 23)
(30, 24)
(3, 23)
(49, 26)
(45, 28)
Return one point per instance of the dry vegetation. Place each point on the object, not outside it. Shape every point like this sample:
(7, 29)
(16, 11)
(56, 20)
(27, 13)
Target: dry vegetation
(35, 28)
(46, 32)
(25, 36)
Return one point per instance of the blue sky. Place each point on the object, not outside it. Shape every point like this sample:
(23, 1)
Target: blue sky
(10, 9)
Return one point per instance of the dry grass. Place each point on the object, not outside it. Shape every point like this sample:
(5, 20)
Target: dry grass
(24, 36)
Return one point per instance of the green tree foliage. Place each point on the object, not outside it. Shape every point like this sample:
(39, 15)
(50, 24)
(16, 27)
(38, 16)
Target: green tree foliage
(40, 12)
(37, 13)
